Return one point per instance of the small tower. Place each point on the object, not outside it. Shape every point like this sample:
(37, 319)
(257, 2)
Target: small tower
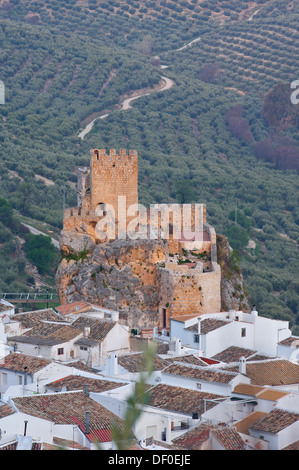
(113, 175)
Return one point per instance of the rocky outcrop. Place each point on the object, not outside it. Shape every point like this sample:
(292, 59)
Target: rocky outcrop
(124, 275)
(233, 291)
(119, 275)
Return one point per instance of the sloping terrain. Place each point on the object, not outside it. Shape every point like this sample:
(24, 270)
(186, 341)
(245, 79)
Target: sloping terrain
(62, 64)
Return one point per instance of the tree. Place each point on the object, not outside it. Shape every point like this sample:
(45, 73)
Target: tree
(40, 251)
(184, 192)
(6, 212)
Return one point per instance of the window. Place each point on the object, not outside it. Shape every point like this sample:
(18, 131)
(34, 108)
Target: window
(196, 338)
(19, 379)
(198, 386)
(243, 332)
(4, 378)
(83, 348)
(60, 351)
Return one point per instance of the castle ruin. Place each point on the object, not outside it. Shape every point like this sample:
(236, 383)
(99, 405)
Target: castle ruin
(184, 271)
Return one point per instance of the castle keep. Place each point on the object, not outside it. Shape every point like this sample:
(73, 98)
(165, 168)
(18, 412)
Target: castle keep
(182, 270)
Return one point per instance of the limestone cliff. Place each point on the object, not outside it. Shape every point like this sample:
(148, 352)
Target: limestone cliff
(234, 295)
(120, 275)
(125, 275)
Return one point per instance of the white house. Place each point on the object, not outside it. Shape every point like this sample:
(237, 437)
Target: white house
(211, 333)
(69, 416)
(21, 374)
(280, 428)
(50, 341)
(289, 348)
(101, 338)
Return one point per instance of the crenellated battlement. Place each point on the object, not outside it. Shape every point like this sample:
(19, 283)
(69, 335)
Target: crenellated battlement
(112, 158)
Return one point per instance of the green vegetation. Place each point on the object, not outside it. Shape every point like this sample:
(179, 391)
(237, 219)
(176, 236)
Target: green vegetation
(209, 139)
(40, 251)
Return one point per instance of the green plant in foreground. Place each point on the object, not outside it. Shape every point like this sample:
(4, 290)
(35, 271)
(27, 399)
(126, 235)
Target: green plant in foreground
(124, 437)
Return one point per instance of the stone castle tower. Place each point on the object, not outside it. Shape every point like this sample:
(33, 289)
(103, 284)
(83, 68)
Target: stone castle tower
(111, 176)
(185, 275)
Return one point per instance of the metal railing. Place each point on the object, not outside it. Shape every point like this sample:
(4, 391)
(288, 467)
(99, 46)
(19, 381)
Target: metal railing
(29, 296)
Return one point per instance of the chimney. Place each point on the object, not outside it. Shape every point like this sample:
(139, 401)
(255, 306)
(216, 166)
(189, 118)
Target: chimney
(25, 375)
(87, 422)
(86, 389)
(242, 365)
(111, 364)
(86, 331)
(254, 311)
(198, 326)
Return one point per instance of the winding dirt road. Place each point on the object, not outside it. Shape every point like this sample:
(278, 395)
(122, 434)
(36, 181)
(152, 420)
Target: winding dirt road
(126, 104)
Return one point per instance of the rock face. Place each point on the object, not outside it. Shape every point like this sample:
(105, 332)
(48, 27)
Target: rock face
(233, 291)
(125, 275)
(120, 275)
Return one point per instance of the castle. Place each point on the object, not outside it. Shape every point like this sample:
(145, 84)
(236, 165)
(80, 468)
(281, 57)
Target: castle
(188, 276)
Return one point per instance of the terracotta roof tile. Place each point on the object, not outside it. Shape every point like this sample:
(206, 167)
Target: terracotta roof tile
(233, 354)
(77, 382)
(33, 318)
(70, 408)
(6, 409)
(74, 307)
(200, 373)
(272, 372)
(248, 389)
(207, 325)
(275, 421)
(189, 359)
(272, 395)
(135, 362)
(181, 399)
(292, 341)
(293, 446)
(98, 328)
(193, 439)
(17, 362)
(48, 334)
(229, 438)
(244, 424)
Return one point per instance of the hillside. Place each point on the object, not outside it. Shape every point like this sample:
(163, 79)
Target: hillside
(64, 65)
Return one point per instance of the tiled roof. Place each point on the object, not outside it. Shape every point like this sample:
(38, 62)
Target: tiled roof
(248, 389)
(193, 439)
(233, 354)
(81, 366)
(17, 362)
(275, 372)
(182, 318)
(33, 318)
(272, 395)
(181, 400)
(207, 325)
(74, 307)
(135, 362)
(4, 307)
(293, 446)
(77, 382)
(64, 444)
(70, 408)
(200, 373)
(244, 424)
(48, 334)
(292, 341)
(189, 359)
(275, 421)
(229, 438)
(6, 409)
(98, 328)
